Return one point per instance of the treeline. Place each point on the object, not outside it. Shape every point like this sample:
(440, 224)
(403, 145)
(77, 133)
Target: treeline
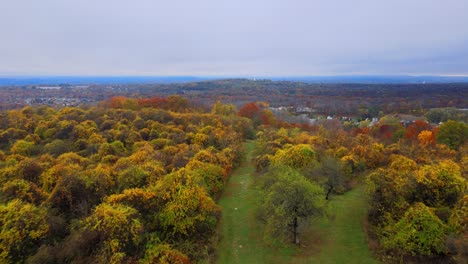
(357, 100)
(128, 181)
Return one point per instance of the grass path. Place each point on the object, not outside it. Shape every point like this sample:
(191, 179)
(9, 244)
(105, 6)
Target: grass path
(342, 235)
(338, 239)
(241, 240)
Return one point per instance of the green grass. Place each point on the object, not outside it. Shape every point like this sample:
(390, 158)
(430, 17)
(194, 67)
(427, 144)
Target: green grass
(342, 235)
(337, 239)
(241, 240)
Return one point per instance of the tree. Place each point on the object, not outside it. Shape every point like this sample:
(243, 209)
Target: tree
(145, 201)
(24, 148)
(331, 175)
(57, 147)
(177, 103)
(369, 154)
(123, 102)
(223, 109)
(23, 190)
(416, 128)
(439, 184)
(118, 228)
(22, 226)
(390, 189)
(163, 254)
(132, 177)
(452, 134)
(188, 209)
(419, 232)
(29, 170)
(426, 138)
(288, 199)
(249, 110)
(459, 217)
(212, 175)
(69, 196)
(298, 156)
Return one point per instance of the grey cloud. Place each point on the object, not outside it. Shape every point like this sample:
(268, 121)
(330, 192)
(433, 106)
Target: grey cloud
(219, 37)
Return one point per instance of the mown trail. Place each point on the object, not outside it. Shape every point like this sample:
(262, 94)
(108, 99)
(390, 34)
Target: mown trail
(338, 239)
(241, 238)
(343, 238)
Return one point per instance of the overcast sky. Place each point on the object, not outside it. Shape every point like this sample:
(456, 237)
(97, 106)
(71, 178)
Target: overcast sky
(233, 38)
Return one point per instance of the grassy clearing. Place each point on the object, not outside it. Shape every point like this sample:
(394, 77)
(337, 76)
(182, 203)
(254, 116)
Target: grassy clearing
(241, 238)
(337, 239)
(340, 238)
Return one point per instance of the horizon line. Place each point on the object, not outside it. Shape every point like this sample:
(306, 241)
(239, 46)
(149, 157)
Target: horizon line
(233, 75)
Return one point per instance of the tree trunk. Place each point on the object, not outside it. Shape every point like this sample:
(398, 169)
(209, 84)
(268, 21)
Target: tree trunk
(296, 236)
(328, 192)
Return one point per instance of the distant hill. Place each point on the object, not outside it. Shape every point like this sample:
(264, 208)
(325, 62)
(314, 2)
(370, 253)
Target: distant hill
(377, 79)
(364, 79)
(76, 80)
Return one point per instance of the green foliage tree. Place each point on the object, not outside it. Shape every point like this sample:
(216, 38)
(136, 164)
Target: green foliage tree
(57, 147)
(289, 198)
(419, 232)
(459, 218)
(330, 174)
(452, 134)
(437, 115)
(212, 175)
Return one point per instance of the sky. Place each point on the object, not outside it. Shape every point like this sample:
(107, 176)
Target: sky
(233, 38)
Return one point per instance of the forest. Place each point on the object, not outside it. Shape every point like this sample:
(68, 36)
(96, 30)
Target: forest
(140, 179)
(326, 99)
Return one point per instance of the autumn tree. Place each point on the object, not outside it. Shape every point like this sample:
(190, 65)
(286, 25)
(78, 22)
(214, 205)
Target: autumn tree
(118, 229)
(413, 130)
(249, 110)
(22, 227)
(426, 138)
(25, 148)
(390, 189)
(188, 208)
(299, 156)
(23, 190)
(223, 109)
(439, 184)
(157, 252)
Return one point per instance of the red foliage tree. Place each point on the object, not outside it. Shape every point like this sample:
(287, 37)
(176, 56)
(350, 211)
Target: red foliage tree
(414, 129)
(249, 110)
